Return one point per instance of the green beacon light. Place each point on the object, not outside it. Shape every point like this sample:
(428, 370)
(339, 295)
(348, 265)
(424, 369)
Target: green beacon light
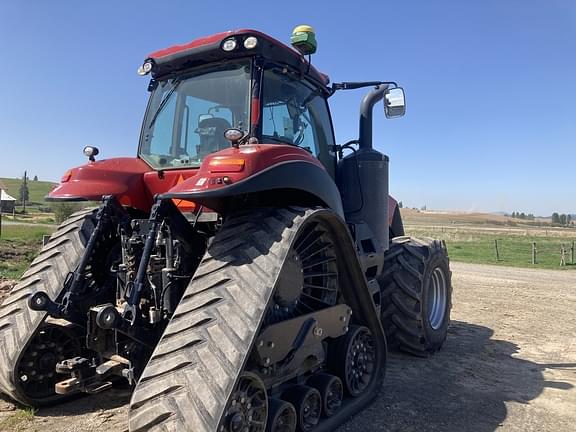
(304, 39)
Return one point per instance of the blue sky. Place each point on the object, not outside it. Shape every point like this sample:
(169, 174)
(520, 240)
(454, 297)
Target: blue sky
(491, 86)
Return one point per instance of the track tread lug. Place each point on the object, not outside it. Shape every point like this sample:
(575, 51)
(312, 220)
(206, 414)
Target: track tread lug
(18, 323)
(241, 278)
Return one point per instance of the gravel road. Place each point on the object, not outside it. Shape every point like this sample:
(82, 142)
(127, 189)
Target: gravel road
(509, 364)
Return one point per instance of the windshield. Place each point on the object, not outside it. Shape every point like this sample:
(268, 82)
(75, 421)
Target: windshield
(187, 116)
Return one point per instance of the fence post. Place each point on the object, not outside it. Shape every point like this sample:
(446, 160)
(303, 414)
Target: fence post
(533, 253)
(562, 255)
(572, 253)
(496, 249)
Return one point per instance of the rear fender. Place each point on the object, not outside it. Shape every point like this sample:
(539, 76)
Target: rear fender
(260, 175)
(395, 224)
(120, 177)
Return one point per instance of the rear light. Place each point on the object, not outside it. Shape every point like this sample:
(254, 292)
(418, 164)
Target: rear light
(146, 68)
(225, 164)
(250, 42)
(229, 44)
(66, 177)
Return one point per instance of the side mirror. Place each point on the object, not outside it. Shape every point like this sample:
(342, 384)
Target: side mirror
(394, 103)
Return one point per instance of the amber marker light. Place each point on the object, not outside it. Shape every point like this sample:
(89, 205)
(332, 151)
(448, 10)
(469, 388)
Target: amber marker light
(226, 165)
(66, 176)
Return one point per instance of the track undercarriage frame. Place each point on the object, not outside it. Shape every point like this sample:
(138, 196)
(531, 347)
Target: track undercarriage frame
(304, 315)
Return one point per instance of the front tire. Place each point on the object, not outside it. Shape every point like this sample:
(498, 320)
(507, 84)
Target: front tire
(416, 295)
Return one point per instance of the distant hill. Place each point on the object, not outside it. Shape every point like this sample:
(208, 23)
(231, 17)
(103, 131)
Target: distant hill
(37, 189)
(431, 217)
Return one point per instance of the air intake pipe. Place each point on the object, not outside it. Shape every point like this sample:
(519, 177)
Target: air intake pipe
(371, 99)
(363, 179)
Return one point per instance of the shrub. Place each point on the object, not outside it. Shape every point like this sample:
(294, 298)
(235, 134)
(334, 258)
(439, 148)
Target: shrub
(63, 210)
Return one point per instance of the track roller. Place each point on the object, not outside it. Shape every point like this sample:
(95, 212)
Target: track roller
(355, 356)
(281, 416)
(308, 404)
(247, 409)
(331, 390)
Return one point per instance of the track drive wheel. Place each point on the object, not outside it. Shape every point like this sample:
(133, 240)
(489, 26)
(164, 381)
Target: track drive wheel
(308, 404)
(282, 416)
(36, 368)
(416, 295)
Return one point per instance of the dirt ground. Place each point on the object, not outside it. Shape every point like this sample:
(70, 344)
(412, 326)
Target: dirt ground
(509, 364)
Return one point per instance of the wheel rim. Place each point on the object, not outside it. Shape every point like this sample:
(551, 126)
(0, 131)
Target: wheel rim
(334, 396)
(437, 298)
(360, 359)
(248, 406)
(308, 281)
(282, 417)
(37, 367)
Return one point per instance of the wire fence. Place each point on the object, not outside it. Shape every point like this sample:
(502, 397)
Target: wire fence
(536, 252)
(527, 249)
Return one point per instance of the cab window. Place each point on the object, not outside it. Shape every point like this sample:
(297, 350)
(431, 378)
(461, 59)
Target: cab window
(187, 116)
(296, 113)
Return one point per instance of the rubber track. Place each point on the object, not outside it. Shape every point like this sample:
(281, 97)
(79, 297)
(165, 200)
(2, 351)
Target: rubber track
(192, 373)
(402, 284)
(18, 323)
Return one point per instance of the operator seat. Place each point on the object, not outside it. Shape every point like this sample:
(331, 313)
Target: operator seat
(211, 131)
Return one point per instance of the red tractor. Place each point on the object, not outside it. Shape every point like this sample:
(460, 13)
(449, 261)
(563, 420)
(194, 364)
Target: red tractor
(241, 272)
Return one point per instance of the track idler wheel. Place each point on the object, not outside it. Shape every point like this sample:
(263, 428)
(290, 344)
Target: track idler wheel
(282, 417)
(355, 357)
(247, 409)
(331, 390)
(36, 368)
(308, 404)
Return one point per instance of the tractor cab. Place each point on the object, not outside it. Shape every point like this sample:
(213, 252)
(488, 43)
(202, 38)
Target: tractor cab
(254, 90)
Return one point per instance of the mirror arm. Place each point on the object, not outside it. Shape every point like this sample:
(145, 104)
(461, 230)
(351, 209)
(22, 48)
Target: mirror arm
(360, 84)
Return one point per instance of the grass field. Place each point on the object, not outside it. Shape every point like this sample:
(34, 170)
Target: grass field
(37, 191)
(18, 247)
(471, 238)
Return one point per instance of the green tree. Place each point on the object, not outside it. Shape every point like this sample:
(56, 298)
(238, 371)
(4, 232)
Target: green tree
(35, 178)
(63, 210)
(400, 205)
(563, 219)
(555, 218)
(24, 193)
